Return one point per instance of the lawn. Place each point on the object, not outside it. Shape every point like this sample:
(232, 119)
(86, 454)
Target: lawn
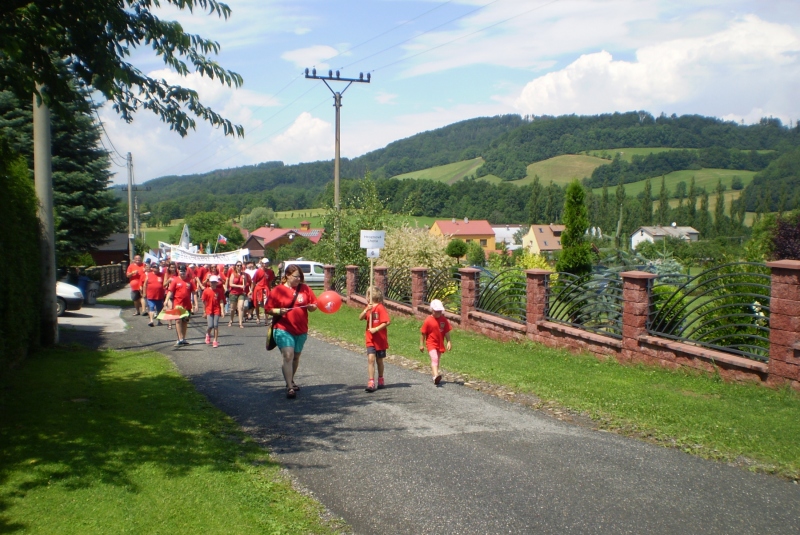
(119, 442)
(153, 235)
(698, 413)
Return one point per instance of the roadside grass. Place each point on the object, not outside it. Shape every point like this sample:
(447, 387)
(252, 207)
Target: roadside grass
(152, 235)
(119, 442)
(122, 303)
(747, 424)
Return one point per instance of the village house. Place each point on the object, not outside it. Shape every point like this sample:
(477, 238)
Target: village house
(656, 234)
(542, 239)
(275, 238)
(479, 231)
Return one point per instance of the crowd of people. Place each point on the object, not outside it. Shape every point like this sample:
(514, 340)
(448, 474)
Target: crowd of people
(244, 292)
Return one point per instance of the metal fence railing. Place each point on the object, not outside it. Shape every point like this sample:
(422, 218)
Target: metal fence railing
(445, 285)
(591, 302)
(340, 283)
(362, 282)
(398, 285)
(724, 308)
(503, 294)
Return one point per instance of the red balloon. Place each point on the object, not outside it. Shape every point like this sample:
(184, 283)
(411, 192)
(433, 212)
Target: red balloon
(329, 302)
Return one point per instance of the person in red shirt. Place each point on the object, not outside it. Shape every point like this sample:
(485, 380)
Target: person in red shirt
(136, 276)
(153, 291)
(199, 283)
(171, 273)
(433, 333)
(376, 336)
(291, 301)
(179, 294)
(262, 282)
(237, 292)
(213, 300)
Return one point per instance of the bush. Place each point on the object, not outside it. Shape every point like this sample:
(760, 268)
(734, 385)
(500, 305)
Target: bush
(475, 255)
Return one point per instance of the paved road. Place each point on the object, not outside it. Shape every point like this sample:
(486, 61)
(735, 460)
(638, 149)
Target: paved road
(418, 459)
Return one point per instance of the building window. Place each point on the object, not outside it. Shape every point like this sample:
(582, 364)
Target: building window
(545, 243)
(483, 243)
(468, 241)
(540, 230)
(559, 242)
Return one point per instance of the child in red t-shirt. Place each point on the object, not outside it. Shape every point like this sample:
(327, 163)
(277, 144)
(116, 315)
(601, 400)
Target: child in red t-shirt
(433, 333)
(213, 299)
(376, 336)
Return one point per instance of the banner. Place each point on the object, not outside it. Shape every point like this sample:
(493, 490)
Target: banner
(188, 257)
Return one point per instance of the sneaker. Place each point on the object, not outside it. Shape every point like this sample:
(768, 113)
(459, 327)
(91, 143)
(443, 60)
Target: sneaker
(370, 386)
(184, 342)
(437, 379)
(208, 339)
(215, 344)
(178, 343)
(381, 384)
(159, 323)
(150, 324)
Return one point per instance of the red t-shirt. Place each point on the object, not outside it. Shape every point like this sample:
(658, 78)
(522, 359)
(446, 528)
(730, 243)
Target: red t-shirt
(155, 286)
(181, 292)
(213, 299)
(200, 273)
(233, 278)
(136, 276)
(380, 339)
(263, 277)
(296, 320)
(434, 330)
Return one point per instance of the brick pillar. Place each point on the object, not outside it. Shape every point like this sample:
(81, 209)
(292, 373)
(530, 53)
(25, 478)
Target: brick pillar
(784, 323)
(536, 295)
(635, 308)
(330, 274)
(352, 280)
(380, 278)
(469, 293)
(419, 288)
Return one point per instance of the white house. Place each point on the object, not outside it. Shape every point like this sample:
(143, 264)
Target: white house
(655, 234)
(505, 234)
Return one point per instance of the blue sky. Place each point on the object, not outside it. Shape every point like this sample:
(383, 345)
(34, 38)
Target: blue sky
(434, 63)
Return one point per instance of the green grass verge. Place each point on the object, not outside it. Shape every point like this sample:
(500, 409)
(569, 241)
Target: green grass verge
(695, 412)
(119, 442)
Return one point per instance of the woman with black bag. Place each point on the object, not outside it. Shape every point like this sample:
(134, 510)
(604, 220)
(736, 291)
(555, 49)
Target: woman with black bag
(290, 302)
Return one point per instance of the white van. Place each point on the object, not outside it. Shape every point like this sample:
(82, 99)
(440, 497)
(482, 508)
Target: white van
(313, 272)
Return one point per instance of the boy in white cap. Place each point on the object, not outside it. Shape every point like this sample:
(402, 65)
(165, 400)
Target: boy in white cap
(213, 299)
(433, 333)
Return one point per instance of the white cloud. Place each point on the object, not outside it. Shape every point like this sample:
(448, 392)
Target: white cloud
(301, 31)
(310, 56)
(751, 64)
(385, 98)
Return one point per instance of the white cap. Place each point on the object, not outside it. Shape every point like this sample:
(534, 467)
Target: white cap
(213, 278)
(265, 260)
(437, 306)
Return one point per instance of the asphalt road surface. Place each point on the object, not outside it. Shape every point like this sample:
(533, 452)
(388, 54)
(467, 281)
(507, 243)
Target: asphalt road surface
(415, 458)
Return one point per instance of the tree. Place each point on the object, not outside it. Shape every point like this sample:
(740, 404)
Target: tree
(409, 247)
(720, 226)
(86, 212)
(475, 254)
(456, 248)
(534, 211)
(69, 46)
(647, 204)
(692, 204)
(663, 204)
(576, 256)
(258, 217)
(205, 227)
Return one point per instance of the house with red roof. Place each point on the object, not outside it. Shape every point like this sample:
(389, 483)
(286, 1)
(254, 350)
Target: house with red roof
(543, 238)
(274, 238)
(479, 231)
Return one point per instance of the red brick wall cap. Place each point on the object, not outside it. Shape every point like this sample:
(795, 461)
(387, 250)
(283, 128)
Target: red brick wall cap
(418, 269)
(538, 271)
(637, 275)
(468, 271)
(785, 264)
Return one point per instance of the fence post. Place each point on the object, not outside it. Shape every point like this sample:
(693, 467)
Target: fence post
(380, 278)
(469, 293)
(784, 323)
(352, 280)
(419, 288)
(536, 296)
(330, 273)
(635, 309)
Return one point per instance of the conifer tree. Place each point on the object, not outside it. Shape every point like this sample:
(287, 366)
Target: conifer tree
(576, 256)
(663, 204)
(647, 204)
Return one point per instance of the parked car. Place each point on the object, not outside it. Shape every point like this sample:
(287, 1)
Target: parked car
(68, 297)
(313, 272)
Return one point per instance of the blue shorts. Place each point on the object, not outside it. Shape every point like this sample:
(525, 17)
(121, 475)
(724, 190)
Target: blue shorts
(284, 339)
(155, 305)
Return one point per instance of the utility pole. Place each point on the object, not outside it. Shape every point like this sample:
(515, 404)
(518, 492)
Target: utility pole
(337, 103)
(131, 235)
(43, 183)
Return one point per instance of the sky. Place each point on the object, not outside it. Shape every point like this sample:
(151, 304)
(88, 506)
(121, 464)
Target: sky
(433, 63)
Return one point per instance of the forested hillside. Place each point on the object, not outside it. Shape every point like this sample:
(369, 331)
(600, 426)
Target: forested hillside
(776, 188)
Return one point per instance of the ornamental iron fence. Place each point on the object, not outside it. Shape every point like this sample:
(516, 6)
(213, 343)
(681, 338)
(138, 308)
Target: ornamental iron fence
(725, 308)
(503, 294)
(362, 281)
(445, 285)
(398, 285)
(339, 283)
(592, 302)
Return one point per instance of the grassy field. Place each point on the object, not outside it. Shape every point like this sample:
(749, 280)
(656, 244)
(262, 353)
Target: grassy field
(449, 173)
(153, 235)
(119, 442)
(627, 153)
(697, 413)
(703, 178)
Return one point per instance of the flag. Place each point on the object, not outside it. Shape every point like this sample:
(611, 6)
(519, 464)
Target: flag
(185, 237)
(222, 239)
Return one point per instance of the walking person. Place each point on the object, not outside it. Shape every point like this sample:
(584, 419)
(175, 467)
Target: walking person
(179, 294)
(153, 290)
(433, 333)
(237, 284)
(376, 335)
(213, 301)
(262, 282)
(290, 301)
(171, 272)
(136, 274)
